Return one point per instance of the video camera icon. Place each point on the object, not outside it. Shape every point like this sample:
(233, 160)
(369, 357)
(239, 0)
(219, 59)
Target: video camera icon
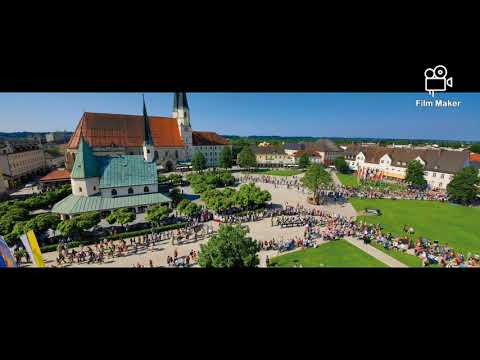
(436, 80)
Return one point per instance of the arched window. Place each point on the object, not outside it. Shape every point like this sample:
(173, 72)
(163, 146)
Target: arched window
(146, 189)
(94, 188)
(166, 153)
(130, 190)
(114, 192)
(80, 189)
(176, 154)
(156, 154)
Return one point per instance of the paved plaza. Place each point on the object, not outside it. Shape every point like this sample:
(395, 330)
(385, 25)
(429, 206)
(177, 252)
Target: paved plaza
(259, 230)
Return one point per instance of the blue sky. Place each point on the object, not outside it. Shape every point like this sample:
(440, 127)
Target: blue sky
(284, 114)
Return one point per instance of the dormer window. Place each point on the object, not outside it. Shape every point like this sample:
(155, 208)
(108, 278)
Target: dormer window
(146, 189)
(114, 192)
(130, 190)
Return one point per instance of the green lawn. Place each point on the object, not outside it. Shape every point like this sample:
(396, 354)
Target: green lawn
(351, 180)
(407, 259)
(348, 180)
(456, 225)
(338, 253)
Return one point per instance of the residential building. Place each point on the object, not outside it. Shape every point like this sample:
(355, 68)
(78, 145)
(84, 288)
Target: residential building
(21, 160)
(440, 165)
(173, 140)
(325, 150)
(272, 156)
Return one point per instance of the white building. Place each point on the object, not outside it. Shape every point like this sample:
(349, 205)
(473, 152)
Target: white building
(440, 165)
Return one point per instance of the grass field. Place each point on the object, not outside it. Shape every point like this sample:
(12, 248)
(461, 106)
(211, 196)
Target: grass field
(352, 181)
(348, 180)
(407, 259)
(456, 225)
(278, 172)
(338, 253)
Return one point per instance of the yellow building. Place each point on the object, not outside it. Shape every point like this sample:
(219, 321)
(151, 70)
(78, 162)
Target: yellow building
(20, 160)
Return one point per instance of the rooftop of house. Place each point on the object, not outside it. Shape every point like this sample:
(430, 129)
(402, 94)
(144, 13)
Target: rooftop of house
(119, 130)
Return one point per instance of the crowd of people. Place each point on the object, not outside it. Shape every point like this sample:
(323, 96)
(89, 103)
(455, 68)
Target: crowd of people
(108, 249)
(340, 193)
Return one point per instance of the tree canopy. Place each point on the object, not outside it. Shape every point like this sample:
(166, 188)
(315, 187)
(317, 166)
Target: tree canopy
(315, 177)
(464, 186)
(208, 180)
(188, 208)
(415, 174)
(198, 161)
(229, 248)
(157, 214)
(121, 216)
(79, 223)
(246, 158)
(475, 148)
(341, 165)
(304, 161)
(226, 158)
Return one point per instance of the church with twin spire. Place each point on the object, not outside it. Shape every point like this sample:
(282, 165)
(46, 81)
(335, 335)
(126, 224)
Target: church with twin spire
(114, 159)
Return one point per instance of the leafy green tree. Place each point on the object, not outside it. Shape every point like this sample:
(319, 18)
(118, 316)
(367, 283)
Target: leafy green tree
(246, 158)
(88, 220)
(304, 161)
(250, 196)
(199, 162)
(341, 165)
(182, 205)
(176, 195)
(191, 210)
(415, 174)
(122, 216)
(229, 248)
(226, 157)
(68, 227)
(315, 177)
(464, 186)
(42, 222)
(157, 214)
(475, 148)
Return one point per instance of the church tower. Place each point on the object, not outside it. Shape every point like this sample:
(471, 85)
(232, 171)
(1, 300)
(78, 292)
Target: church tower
(148, 148)
(181, 112)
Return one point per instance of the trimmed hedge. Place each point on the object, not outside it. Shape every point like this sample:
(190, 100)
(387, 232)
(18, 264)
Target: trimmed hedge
(72, 244)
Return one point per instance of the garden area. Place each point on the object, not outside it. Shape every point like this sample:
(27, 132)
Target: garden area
(456, 225)
(337, 253)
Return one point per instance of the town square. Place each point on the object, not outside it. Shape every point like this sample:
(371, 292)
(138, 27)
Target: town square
(148, 191)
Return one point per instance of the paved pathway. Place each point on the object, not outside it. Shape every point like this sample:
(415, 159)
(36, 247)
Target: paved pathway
(377, 254)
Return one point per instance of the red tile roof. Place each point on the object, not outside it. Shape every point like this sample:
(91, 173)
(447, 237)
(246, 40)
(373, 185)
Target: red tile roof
(309, 152)
(474, 157)
(200, 138)
(56, 175)
(118, 130)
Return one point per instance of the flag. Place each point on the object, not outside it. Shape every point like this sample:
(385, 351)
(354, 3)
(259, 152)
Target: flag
(6, 257)
(31, 245)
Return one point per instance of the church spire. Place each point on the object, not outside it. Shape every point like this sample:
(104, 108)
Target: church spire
(181, 111)
(148, 134)
(180, 101)
(148, 148)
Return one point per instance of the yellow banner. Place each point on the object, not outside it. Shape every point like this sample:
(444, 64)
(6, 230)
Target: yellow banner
(37, 254)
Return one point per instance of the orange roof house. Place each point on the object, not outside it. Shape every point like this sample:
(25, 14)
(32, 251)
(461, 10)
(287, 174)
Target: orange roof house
(117, 130)
(474, 157)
